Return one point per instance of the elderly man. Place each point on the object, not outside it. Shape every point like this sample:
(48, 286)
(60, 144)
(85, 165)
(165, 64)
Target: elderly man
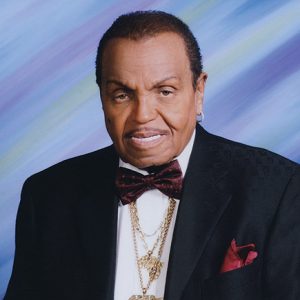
(168, 211)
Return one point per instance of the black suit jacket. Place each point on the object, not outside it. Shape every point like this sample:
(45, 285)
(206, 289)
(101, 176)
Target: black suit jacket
(67, 225)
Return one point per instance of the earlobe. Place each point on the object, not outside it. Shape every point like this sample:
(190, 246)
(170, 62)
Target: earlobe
(200, 117)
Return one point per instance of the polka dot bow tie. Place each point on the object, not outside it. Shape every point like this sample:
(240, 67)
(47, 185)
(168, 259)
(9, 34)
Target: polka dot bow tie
(167, 178)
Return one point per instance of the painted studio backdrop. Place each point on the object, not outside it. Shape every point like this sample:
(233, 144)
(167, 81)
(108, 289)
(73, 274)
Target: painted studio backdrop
(49, 102)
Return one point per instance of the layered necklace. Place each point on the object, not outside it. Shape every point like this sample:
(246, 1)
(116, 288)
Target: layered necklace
(150, 262)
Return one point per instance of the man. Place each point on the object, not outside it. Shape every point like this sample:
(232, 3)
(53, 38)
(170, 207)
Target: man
(168, 211)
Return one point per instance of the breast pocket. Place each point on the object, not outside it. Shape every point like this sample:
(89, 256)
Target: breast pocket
(240, 284)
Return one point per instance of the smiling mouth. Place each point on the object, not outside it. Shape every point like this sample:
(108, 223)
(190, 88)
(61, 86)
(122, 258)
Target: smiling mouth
(146, 139)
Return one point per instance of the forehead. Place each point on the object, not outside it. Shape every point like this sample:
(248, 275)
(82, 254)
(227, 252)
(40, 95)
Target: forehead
(149, 56)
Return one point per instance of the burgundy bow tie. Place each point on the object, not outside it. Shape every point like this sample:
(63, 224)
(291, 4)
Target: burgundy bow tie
(130, 184)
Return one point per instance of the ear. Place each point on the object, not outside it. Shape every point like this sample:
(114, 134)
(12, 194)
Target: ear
(199, 92)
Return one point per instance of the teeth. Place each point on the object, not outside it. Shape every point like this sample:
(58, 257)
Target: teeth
(147, 139)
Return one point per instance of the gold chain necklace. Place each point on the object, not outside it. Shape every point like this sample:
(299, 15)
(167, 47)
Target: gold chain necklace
(151, 263)
(142, 234)
(144, 297)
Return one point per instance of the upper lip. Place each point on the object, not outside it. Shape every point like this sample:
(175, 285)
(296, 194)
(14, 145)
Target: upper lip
(145, 132)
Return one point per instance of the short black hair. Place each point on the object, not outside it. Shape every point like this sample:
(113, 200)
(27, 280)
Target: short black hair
(140, 24)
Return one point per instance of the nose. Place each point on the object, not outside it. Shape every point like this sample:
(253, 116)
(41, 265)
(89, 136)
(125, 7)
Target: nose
(144, 109)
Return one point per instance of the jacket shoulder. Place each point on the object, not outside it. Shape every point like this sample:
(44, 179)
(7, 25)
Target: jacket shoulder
(77, 168)
(251, 154)
(245, 160)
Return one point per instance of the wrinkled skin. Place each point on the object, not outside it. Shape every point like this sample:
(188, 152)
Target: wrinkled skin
(149, 101)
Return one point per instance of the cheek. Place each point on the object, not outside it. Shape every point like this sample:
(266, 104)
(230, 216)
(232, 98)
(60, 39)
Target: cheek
(179, 116)
(109, 113)
(115, 124)
(107, 121)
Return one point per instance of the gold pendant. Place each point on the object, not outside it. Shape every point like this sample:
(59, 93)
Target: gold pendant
(152, 264)
(144, 297)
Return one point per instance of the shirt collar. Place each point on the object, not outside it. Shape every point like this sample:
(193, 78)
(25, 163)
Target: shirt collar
(183, 158)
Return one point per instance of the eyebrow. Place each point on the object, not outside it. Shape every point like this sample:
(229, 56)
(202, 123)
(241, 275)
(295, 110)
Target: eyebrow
(155, 84)
(110, 81)
(161, 81)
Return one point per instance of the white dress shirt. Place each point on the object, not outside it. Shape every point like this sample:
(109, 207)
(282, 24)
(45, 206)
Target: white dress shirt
(151, 208)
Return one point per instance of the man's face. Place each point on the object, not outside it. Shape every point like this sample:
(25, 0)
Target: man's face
(148, 98)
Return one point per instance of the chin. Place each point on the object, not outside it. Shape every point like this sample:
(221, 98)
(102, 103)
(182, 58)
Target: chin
(146, 158)
(145, 162)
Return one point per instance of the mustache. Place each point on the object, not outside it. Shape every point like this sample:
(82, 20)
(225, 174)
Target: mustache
(146, 131)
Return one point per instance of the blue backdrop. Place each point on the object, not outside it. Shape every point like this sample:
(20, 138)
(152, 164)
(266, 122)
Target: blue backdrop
(50, 108)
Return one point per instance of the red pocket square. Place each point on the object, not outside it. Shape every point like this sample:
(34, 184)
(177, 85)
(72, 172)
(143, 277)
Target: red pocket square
(238, 256)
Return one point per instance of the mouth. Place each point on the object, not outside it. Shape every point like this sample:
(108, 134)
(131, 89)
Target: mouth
(146, 138)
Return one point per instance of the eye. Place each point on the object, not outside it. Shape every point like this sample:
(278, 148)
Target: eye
(121, 97)
(166, 92)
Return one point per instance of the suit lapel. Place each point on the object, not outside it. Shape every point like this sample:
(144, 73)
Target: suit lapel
(205, 197)
(97, 215)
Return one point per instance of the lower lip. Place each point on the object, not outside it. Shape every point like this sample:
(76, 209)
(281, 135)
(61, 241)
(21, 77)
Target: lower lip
(146, 142)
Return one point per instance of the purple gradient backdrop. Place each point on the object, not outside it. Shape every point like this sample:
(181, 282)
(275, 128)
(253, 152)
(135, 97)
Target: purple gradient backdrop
(50, 108)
